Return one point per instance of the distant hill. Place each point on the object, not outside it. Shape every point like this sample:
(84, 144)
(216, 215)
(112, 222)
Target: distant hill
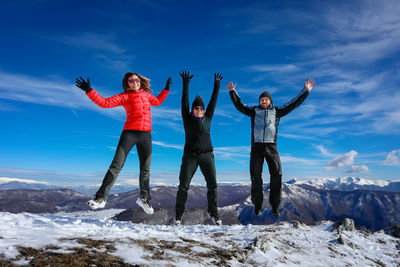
(304, 202)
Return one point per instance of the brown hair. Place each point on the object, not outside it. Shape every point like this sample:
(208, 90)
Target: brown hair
(144, 82)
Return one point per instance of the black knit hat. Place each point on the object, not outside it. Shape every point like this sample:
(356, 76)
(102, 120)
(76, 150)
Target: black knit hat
(198, 101)
(266, 94)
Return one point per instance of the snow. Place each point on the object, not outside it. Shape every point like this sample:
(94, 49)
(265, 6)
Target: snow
(281, 244)
(341, 182)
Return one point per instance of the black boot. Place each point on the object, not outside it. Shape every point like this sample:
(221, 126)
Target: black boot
(275, 211)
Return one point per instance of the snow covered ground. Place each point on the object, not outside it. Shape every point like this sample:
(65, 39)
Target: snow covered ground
(283, 244)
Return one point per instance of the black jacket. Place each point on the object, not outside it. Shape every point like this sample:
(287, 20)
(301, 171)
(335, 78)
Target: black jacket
(197, 130)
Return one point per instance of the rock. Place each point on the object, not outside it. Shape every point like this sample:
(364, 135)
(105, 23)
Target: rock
(341, 240)
(345, 224)
(393, 231)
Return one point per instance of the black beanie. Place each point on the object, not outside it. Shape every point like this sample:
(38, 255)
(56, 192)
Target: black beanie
(266, 94)
(198, 101)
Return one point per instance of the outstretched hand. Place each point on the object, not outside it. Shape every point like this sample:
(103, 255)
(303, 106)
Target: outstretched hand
(231, 86)
(186, 77)
(309, 84)
(218, 77)
(82, 84)
(168, 84)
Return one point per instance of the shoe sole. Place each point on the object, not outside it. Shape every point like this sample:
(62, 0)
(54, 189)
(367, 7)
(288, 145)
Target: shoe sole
(94, 206)
(143, 206)
(216, 222)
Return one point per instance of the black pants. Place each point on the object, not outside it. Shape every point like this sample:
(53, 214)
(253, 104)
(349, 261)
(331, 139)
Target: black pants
(190, 162)
(269, 151)
(128, 139)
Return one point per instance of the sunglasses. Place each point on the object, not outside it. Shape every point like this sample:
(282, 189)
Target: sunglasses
(134, 80)
(198, 108)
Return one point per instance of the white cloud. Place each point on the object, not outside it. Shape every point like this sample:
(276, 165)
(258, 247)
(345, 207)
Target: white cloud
(345, 160)
(277, 68)
(325, 152)
(233, 152)
(53, 92)
(103, 47)
(61, 93)
(8, 179)
(162, 144)
(361, 168)
(303, 161)
(393, 158)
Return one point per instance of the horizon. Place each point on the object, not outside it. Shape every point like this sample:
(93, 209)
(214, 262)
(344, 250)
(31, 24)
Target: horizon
(6, 180)
(348, 126)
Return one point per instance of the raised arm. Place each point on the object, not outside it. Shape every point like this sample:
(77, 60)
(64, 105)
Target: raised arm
(102, 102)
(156, 101)
(297, 101)
(237, 102)
(213, 101)
(186, 77)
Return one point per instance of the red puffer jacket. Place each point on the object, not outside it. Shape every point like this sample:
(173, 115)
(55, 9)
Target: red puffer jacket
(136, 104)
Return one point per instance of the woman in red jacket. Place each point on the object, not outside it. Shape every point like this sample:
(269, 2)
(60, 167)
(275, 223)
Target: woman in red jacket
(136, 100)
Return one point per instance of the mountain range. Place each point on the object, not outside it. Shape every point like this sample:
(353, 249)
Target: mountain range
(373, 205)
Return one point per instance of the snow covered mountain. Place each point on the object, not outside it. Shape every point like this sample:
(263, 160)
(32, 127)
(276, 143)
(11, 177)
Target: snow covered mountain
(34, 185)
(303, 202)
(91, 239)
(53, 227)
(351, 184)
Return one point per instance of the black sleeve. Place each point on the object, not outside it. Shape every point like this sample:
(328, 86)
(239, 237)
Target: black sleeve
(292, 104)
(185, 101)
(239, 105)
(213, 101)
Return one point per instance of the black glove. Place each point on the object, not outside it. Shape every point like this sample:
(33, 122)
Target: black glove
(218, 77)
(85, 86)
(168, 84)
(186, 77)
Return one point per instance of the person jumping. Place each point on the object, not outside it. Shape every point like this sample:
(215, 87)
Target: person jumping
(264, 128)
(136, 100)
(198, 150)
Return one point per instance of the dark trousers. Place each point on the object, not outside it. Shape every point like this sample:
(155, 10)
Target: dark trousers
(128, 139)
(269, 151)
(190, 162)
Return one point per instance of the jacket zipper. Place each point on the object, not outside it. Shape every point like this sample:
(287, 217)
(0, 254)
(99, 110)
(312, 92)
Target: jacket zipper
(265, 124)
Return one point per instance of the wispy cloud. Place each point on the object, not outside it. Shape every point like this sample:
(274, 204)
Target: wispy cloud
(325, 151)
(162, 144)
(105, 48)
(348, 39)
(40, 91)
(102, 42)
(291, 159)
(61, 93)
(361, 168)
(393, 158)
(232, 153)
(276, 68)
(221, 153)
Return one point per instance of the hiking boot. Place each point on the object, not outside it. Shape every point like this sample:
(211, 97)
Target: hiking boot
(275, 212)
(145, 205)
(96, 203)
(178, 220)
(215, 219)
(258, 211)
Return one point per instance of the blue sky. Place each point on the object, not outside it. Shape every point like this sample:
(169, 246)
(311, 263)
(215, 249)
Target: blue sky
(348, 126)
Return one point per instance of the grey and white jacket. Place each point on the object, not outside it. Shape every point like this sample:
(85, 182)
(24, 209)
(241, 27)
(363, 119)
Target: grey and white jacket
(265, 122)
